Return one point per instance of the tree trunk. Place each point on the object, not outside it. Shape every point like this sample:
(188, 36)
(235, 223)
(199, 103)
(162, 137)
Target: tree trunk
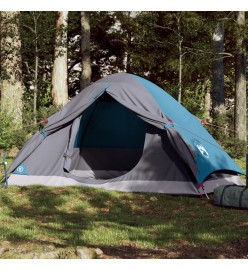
(180, 72)
(128, 54)
(180, 66)
(218, 93)
(36, 70)
(35, 88)
(207, 101)
(240, 79)
(85, 50)
(11, 70)
(60, 71)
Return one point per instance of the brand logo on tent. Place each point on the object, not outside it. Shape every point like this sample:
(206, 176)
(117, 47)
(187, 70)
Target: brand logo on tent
(201, 148)
(20, 169)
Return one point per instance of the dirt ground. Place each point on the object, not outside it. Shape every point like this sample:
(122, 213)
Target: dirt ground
(237, 250)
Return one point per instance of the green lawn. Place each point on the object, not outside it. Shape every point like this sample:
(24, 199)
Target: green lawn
(79, 216)
(123, 225)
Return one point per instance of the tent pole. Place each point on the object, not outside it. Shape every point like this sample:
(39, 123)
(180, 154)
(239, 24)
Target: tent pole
(5, 169)
(4, 163)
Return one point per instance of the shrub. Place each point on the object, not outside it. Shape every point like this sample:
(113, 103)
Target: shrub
(231, 144)
(21, 136)
(17, 138)
(235, 147)
(193, 101)
(6, 124)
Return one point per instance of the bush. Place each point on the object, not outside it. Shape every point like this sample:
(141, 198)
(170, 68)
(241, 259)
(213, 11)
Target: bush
(21, 136)
(193, 101)
(17, 138)
(235, 147)
(232, 145)
(6, 124)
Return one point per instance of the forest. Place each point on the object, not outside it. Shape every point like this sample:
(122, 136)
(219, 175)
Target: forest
(197, 57)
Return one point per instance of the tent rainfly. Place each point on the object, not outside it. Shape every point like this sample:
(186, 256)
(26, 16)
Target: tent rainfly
(125, 133)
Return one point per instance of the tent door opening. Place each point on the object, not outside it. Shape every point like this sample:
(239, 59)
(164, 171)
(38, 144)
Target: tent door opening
(109, 140)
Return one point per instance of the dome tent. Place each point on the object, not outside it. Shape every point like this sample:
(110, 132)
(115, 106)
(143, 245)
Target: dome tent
(125, 133)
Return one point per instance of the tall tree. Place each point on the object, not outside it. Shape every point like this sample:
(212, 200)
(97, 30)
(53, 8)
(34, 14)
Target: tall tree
(34, 30)
(85, 50)
(11, 70)
(207, 100)
(126, 21)
(240, 79)
(38, 38)
(218, 93)
(167, 49)
(60, 70)
(180, 53)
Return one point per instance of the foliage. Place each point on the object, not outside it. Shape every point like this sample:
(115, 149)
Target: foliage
(6, 138)
(193, 100)
(227, 139)
(38, 39)
(45, 32)
(235, 147)
(21, 136)
(107, 46)
(156, 47)
(17, 138)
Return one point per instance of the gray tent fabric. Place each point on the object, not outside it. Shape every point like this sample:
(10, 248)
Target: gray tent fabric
(136, 148)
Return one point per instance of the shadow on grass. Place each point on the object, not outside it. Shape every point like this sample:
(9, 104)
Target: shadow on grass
(79, 216)
(44, 218)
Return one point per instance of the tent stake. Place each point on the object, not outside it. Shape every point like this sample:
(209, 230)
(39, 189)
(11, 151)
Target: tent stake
(202, 186)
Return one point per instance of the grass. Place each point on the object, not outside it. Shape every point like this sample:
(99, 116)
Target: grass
(123, 225)
(80, 216)
(242, 164)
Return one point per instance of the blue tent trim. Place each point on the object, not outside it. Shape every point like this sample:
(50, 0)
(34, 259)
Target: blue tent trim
(21, 169)
(210, 155)
(43, 133)
(168, 126)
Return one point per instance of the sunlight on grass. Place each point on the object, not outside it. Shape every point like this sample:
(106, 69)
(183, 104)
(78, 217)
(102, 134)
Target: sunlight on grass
(86, 216)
